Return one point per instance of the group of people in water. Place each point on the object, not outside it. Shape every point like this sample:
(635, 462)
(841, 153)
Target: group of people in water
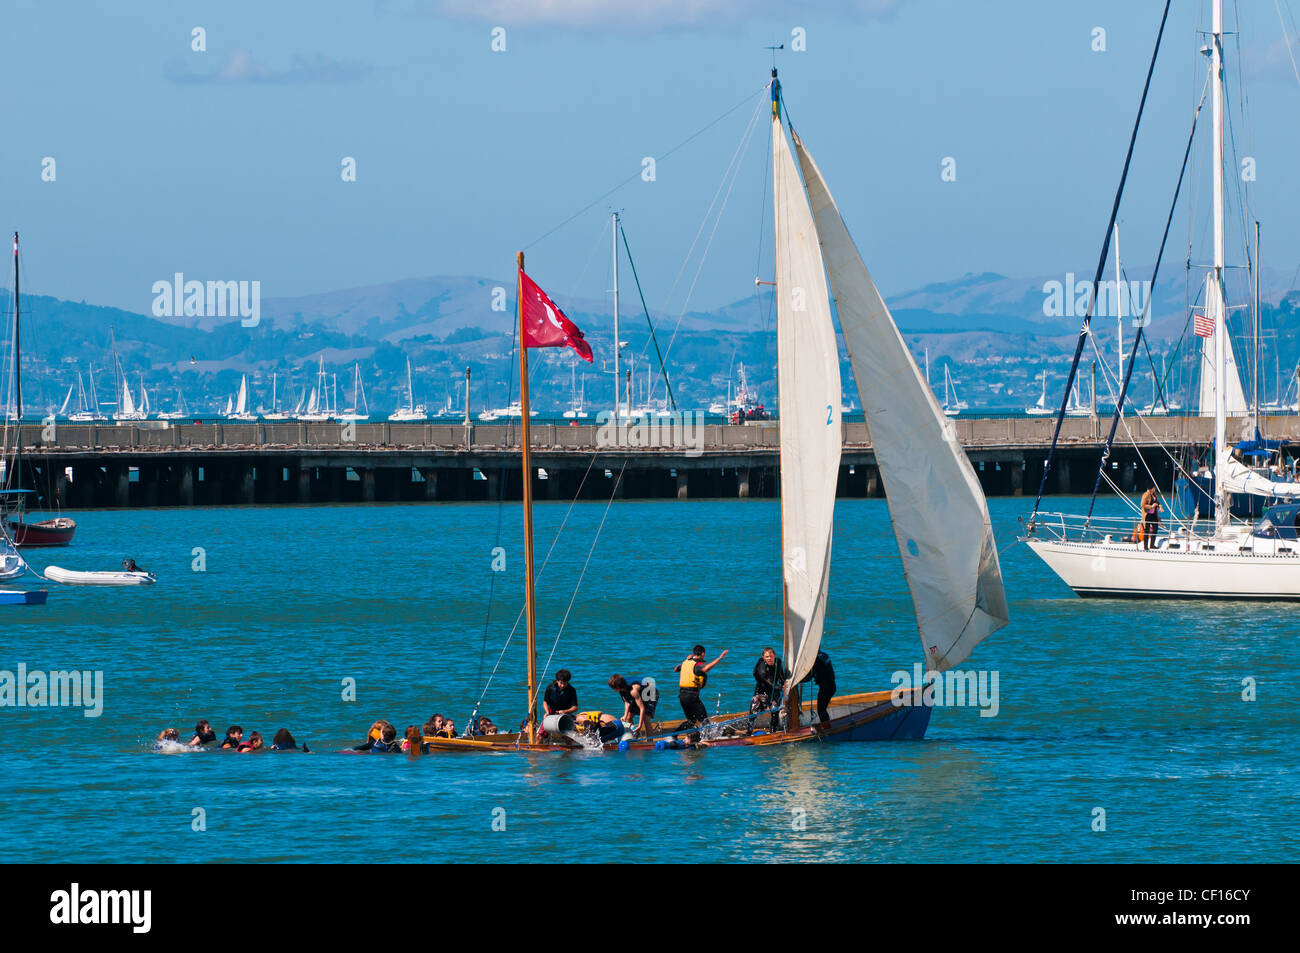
(205, 737)
(639, 696)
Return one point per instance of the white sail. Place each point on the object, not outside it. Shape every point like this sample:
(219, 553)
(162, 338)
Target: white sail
(67, 400)
(1234, 399)
(128, 405)
(808, 372)
(939, 513)
(241, 405)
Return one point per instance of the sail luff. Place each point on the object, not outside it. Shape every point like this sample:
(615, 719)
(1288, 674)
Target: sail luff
(938, 510)
(810, 398)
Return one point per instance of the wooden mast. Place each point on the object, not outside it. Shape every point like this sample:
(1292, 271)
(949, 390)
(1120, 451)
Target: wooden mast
(529, 608)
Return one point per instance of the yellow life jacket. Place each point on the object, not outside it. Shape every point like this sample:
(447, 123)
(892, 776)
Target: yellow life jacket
(691, 678)
(591, 716)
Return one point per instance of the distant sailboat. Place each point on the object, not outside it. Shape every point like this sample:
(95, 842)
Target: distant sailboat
(240, 410)
(360, 409)
(411, 412)
(127, 411)
(1040, 408)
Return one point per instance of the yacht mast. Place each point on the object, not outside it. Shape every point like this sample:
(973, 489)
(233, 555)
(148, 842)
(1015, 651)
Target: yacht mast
(617, 381)
(1216, 300)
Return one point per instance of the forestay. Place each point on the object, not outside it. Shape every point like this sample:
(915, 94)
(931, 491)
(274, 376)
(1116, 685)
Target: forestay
(938, 510)
(808, 372)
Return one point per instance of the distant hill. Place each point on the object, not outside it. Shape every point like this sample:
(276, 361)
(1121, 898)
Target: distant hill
(994, 333)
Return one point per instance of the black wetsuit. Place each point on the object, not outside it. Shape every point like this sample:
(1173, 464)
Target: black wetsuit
(559, 699)
(823, 673)
(768, 680)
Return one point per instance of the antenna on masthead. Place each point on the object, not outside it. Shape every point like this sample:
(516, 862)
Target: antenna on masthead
(776, 83)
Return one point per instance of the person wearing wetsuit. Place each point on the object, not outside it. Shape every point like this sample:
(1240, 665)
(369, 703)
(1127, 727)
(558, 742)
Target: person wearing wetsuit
(695, 672)
(769, 678)
(823, 673)
(608, 728)
(203, 734)
(254, 742)
(560, 697)
(640, 696)
(387, 742)
(234, 735)
(283, 741)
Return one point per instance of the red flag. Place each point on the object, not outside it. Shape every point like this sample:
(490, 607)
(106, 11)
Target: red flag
(1203, 325)
(545, 325)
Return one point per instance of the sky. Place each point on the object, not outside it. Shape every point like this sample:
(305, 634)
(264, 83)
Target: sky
(226, 163)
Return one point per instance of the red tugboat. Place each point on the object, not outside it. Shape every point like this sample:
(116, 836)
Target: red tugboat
(51, 532)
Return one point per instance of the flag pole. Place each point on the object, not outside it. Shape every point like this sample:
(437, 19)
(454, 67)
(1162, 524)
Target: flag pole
(526, 463)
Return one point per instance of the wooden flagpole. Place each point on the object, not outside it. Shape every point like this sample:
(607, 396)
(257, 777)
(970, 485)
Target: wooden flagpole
(526, 455)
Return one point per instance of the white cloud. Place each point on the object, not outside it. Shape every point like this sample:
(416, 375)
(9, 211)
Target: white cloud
(651, 15)
(240, 66)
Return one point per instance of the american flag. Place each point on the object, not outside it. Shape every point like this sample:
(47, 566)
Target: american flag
(1203, 325)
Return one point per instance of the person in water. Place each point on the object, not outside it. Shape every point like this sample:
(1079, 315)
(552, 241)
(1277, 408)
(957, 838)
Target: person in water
(640, 697)
(283, 741)
(234, 735)
(254, 742)
(413, 743)
(823, 673)
(560, 697)
(376, 733)
(695, 672)
(448, 729)
(431, 726)
(203, 734)
(606, 727)
(769, 679)
(387, 742)
(168, 734)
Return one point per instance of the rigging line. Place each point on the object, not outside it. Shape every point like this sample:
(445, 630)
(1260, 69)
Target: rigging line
(1101, 265)
(736, 157)
(663, 370)
(636, 175)
(540, 571)
(574, 597)
(1146, 310)
(732, 173)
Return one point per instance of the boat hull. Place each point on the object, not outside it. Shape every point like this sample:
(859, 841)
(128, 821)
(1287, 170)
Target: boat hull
(871, 716)
(55, 532)
(1125, 570)
(18, 597)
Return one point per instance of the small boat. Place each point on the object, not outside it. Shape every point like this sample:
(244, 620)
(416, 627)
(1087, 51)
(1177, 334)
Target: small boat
(21, 597)
(50, 532)
(74, 577)
(411, 412)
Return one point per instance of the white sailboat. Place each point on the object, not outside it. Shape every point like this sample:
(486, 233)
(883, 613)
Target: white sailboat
(240, 409)
(275, 413)
(360, 408)
(939, 515)
(411, 412)
(952, 404)
(1227, 560)
(1040, 408)
(126, 412)
(317, 404)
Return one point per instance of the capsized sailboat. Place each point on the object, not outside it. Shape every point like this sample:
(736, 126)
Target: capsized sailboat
(939, 514)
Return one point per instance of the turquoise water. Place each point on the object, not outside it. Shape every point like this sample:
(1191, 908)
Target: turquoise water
(1131, 707)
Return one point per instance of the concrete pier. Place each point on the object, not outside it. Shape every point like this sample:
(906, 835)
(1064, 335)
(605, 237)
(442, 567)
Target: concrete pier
(266, 463)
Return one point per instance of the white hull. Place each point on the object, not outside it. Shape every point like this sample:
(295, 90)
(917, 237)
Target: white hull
(1237, 568)
(72, 577)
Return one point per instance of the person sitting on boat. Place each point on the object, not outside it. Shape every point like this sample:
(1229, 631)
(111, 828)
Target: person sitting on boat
(560, 697)
(254, 743)
(695, 672)
(769, 679)
(1150, 516)
(639, 694)
(486, 727)
(387, 742)
(129, 565)
(376, 732)
(448, 729)
(283, 741)
(203, 734)
(608, 728)
(823, 673)
(234, 735)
